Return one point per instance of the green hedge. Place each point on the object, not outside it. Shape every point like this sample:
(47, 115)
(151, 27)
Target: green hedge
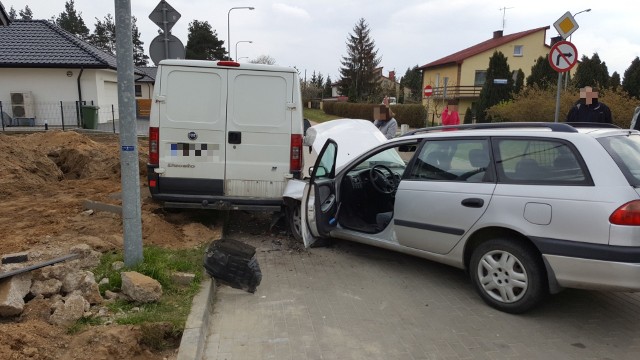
(414, 115)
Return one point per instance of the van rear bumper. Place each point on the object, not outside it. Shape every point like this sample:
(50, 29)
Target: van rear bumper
(203, 194)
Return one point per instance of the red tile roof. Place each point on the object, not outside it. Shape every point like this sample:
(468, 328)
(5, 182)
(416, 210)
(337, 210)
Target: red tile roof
(493, 43)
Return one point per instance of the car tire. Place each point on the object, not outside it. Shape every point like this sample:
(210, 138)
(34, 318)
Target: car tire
(508, 274)
(294, 220)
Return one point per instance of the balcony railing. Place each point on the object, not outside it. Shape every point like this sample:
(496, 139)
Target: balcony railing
(457, 92)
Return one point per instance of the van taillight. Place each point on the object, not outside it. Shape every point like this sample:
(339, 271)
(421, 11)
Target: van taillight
(627, 214)
(295, 164)
(154, 138)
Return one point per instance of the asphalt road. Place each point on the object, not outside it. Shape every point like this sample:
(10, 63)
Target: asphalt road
(352, 301)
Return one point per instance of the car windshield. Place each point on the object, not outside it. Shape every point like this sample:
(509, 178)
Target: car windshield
(389, 158)
(625, 151)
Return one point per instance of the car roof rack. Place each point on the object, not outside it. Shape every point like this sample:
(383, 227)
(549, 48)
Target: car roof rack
(553, 126)
(594, 125)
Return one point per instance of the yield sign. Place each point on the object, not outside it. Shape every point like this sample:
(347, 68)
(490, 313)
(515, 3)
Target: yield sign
(563, 56)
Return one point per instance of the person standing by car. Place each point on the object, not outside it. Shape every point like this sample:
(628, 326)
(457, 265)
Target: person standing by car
(589, 109)
(635, 125)
(450, 113)
(384, 121)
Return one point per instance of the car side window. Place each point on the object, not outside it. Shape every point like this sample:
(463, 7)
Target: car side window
(460, 160)
(538, 161)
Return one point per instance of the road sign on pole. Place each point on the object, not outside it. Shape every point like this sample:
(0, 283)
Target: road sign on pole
(566, 25)
(157, 51)
(159, 18)
(563, 56)
(428, 91)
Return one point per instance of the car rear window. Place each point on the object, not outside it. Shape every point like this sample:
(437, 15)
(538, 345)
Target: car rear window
(625, 151)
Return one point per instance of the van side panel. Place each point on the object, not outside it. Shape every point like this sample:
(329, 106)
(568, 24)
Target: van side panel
(192, 130)
(259, 110)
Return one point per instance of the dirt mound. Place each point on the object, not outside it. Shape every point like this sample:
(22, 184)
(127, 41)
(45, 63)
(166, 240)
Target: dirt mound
(44, 180)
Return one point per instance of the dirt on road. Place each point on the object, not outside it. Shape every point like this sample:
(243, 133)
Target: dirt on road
(44, 180)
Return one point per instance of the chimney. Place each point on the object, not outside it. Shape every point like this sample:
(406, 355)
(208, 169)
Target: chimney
(497, 34)
(392, 75)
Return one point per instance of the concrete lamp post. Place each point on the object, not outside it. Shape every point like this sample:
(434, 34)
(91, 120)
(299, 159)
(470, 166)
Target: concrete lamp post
(229, 26)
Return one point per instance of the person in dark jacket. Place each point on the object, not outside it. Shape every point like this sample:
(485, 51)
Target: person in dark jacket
(635, 124)
(589, 109)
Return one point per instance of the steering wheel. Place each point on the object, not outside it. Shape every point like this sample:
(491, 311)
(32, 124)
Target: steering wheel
(383, 183)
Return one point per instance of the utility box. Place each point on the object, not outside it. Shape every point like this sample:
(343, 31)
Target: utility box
(90, 116)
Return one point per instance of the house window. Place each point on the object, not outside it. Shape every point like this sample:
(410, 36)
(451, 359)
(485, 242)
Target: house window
(517, 50)
(481, 77)
(138, 90)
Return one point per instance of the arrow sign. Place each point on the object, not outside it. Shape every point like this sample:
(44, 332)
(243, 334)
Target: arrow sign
(563, 56)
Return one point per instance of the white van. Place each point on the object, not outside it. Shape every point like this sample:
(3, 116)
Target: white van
(224, 135)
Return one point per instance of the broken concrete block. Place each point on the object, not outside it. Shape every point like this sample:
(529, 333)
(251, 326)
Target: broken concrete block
(12, 293)
(46, 288)
(140, 288)
(182, 278)
(70, 311)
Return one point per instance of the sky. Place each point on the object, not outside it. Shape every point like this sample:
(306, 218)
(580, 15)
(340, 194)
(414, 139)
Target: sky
(311, 34)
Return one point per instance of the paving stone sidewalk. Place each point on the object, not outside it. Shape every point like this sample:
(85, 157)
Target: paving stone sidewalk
(353, 301)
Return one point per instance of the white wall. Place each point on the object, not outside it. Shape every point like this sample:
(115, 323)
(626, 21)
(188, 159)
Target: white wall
(51, 86)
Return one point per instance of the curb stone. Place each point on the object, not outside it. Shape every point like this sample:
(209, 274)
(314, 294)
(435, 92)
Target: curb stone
(195, 331)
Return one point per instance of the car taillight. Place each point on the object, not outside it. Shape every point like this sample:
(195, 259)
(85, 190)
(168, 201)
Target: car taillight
(154, 137)
(627, 214)
(296, 153)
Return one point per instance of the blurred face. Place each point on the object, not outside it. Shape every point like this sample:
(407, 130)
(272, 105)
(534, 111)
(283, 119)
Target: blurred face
(453, 108)
(588, 94)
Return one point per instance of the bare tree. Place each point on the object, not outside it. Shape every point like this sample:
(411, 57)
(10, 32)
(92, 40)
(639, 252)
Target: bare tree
(264, 59)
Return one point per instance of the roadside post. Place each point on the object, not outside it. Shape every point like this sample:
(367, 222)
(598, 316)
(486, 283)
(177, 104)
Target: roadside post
(131, 208)
(563, 54)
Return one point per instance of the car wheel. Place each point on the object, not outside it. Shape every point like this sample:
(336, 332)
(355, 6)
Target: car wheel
(508, 275)
(294, 220)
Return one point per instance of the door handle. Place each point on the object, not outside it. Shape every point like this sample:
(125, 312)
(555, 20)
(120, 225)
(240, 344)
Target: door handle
(235, 137)
(473, 202)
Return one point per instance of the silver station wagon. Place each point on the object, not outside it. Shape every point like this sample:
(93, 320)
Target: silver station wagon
(525, 208)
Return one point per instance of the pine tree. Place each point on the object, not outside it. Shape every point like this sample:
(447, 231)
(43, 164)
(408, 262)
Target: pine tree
(203, 42)
(327, 88)
(358, 78)
(26, 14)
(592, 72)
(519, 84)
(12, 13)
(614, 81)
(631, 82)
(104, 34)
(72, 21)
(139, 57)
(492, 94)
(542, 74)
(412, 80)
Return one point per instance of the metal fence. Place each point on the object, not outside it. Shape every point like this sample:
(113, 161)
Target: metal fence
(65, 115)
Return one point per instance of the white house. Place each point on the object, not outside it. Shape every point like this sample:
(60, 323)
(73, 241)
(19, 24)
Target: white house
(45, 72)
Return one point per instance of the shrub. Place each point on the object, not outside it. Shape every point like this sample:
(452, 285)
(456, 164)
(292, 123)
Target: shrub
(536, 104)
(412, 115)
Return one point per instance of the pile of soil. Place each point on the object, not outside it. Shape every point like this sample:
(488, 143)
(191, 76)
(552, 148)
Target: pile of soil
(44, 179)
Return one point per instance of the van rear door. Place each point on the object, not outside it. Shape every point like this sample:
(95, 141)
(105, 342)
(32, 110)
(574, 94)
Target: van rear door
(258, 144)
(192, 109)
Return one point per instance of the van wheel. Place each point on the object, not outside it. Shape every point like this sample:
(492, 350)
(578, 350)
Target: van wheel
(294, 219)
(508, 275)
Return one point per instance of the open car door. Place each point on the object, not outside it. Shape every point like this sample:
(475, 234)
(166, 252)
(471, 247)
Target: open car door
(320, 204)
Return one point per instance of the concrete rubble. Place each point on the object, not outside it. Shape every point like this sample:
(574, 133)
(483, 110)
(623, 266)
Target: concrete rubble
(140, 288)
(70, 289)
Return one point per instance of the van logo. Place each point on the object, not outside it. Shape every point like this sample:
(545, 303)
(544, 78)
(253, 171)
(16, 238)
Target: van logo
(192, 135)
